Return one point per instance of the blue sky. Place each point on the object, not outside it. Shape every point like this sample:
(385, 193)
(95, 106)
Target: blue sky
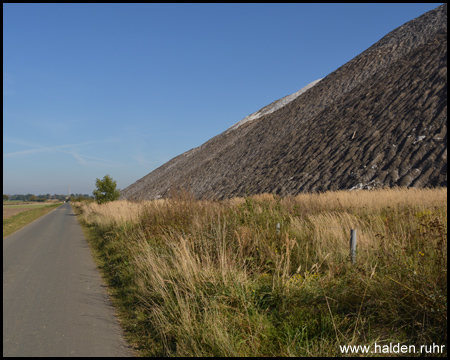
(120, 89)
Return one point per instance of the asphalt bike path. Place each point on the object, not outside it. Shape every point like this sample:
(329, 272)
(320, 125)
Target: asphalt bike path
(54, 300)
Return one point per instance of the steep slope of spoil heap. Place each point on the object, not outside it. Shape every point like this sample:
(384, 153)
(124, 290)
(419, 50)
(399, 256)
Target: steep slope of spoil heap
(380, 119)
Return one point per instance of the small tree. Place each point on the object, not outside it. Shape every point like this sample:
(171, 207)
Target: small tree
(106, 190)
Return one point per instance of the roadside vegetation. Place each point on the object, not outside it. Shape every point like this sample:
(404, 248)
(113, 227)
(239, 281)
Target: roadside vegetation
(106, 190)
(16, 216)
(216, 278)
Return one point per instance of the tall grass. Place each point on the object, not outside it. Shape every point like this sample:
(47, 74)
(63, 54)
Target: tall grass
(216, 278)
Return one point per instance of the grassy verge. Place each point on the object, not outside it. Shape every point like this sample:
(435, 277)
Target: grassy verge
(18, 221)
(210, 278)
(95, 237)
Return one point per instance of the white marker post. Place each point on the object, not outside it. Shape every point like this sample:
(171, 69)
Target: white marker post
(353, 246)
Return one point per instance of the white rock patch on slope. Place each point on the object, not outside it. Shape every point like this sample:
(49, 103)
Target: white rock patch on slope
(273, 106)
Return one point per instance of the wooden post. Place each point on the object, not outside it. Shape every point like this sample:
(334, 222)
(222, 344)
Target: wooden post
(353, 246)
(278, 228)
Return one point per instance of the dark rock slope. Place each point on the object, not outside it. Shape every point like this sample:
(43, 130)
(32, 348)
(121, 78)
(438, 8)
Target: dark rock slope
(378, 120)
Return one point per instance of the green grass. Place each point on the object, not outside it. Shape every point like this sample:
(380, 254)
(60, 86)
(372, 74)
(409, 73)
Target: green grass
(209, 278)
(22, 206)
(18, 221)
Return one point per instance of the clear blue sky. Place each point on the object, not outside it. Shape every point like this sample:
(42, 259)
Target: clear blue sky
(120, 89)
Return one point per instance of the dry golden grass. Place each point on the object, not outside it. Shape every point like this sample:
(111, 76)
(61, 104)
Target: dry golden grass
(112, 213)
(216, 278)
(373, 200)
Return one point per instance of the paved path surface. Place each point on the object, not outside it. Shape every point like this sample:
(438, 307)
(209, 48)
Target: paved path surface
(54, 301)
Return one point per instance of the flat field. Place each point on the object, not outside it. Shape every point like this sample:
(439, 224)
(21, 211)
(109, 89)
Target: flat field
(13, 208)
(19, 214)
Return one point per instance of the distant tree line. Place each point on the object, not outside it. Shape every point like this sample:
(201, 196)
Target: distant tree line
(39, 198)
